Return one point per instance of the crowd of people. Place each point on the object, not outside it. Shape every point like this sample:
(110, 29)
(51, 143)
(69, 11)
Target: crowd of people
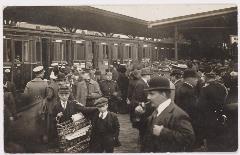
(185, 105)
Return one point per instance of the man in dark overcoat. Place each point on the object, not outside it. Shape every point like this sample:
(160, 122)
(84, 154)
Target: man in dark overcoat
(211, 104)
(110, 91)
(186, 98)
(168, 128)
(139, 97)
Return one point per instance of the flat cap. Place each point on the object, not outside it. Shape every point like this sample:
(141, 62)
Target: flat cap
(7, 70)
(38, 69)
(101, 102)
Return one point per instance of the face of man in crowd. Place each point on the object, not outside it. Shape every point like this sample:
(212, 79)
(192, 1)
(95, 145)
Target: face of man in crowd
(64, 96)
(103, 108)
(86, 77)
(109, 77)
(194, 81)
(156, 98)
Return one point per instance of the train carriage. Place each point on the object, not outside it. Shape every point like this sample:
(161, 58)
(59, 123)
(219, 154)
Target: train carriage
(26, 48)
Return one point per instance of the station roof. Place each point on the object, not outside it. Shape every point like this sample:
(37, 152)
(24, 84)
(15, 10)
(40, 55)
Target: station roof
(81, 17)
(94, 19)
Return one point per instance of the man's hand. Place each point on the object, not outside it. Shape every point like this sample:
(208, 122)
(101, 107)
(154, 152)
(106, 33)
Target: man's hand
(139, 109)
(115, 93)
(60, 114)
(128, 101)
(157, 129)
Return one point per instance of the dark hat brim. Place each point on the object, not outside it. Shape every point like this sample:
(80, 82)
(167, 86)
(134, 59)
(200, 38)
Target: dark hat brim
(101, 105)
(158, 88)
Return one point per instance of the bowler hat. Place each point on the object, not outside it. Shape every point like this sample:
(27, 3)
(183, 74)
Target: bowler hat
(190, 73)
(60, 77)
(146, 71)
(64, 89)
(159, 83)
(176, 72)
(210, 75)
(101, 102)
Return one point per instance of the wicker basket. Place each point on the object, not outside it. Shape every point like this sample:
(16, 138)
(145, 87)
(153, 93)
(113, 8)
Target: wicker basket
(74, 137)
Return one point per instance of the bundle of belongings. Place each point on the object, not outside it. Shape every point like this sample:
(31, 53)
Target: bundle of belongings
(74, 135)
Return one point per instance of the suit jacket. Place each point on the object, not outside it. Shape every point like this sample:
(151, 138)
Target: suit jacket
(177, 133)
(112, 130)
(83, 91)
(139, 95)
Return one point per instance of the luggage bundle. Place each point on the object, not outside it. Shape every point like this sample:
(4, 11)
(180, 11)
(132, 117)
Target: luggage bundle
(74, 135)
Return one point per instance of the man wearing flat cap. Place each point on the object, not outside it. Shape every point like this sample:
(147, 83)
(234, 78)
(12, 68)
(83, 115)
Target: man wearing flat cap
(36, 87)
(105, 128)
(211, 104)
(168, 127)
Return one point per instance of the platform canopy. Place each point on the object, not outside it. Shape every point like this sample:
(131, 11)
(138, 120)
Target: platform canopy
(222, 20)
(94, 19)
(80, 17)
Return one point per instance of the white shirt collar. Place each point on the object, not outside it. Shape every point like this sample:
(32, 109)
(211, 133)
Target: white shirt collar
(63, 104)
(104, 114)
(145, 81)
(163, 106)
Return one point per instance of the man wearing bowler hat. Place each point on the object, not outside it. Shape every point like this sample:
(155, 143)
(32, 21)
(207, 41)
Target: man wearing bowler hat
(168, 128)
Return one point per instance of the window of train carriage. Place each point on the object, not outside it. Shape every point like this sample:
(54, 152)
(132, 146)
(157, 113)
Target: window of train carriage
(38, 51)
(32, 51)
(59, 51)
(18, 47)
(105, 52)
(27, 50)
(7, 52)
(130, 52)
(79, 51)
(144, 52)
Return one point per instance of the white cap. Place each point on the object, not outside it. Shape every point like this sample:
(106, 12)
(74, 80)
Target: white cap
(38, 69)
(234, 73)
(52, 76)
(54, 64)
(7, 70)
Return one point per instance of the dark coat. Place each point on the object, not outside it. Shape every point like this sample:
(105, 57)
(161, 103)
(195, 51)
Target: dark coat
(186, 99)
(211, 103)
(108, 87)
(177, 134)
(110, 138)
(123, 85)
(139, 95)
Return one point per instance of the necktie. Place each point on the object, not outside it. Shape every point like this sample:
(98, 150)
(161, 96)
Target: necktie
(101, 115)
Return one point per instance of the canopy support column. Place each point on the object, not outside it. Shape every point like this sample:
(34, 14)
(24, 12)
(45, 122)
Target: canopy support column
(176, 42)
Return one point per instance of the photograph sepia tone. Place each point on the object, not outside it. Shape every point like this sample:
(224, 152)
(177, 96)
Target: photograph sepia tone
(120, 78)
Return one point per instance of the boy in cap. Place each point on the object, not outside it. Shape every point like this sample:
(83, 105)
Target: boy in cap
(105, 129)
